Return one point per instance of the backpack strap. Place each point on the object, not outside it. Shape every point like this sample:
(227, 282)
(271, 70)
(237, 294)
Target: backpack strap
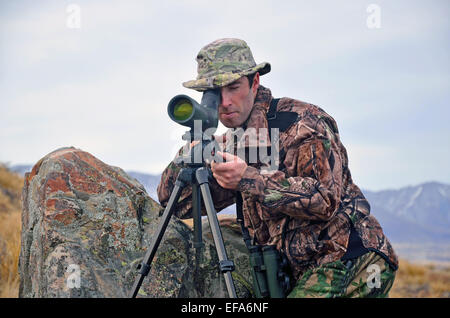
(282, 121)
(271, 114)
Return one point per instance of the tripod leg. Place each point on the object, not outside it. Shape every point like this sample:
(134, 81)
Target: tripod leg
(226, 266)
(144, 267)
(197, 216)
(197, 222)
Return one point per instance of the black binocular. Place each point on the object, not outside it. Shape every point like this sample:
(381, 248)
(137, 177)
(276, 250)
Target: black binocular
(269, 272)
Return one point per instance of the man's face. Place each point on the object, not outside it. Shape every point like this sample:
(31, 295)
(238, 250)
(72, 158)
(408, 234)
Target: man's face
(237, 101)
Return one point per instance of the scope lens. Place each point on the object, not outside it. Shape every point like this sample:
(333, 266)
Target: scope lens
(182, 110)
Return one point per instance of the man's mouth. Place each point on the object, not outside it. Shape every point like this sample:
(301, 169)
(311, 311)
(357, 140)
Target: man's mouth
(228, 115)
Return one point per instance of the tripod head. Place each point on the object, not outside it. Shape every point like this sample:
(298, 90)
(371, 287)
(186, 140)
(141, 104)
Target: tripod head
(202, 153)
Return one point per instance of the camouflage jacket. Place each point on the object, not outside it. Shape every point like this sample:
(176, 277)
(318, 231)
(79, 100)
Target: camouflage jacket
(307, 207)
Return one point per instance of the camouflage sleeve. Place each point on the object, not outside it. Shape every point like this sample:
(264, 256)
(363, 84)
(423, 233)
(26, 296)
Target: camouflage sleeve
(313, 191)
(221, 197)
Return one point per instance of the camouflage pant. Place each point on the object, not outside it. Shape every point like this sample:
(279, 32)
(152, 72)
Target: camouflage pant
(366, 276)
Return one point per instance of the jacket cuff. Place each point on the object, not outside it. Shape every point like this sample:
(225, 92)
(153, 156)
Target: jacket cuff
(252, 182)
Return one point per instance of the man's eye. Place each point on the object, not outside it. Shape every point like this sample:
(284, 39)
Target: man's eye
(234, 87)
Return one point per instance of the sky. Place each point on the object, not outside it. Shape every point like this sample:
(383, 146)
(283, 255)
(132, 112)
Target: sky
(97, 75)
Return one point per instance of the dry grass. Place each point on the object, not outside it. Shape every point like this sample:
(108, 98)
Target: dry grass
(424, 281)
(10, 190)
(10, 180)
(10, 227)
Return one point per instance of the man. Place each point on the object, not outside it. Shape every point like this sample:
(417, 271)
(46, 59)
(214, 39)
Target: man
(309, 208)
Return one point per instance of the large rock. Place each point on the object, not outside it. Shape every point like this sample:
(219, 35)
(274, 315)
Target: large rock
(86, 226)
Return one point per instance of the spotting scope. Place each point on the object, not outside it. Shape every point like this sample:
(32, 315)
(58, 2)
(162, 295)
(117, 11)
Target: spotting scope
(185, 111)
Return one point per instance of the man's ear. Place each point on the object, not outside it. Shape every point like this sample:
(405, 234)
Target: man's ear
(255, 83)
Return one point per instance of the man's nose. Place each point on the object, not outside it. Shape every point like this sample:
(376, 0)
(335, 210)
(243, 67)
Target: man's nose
(225, 99)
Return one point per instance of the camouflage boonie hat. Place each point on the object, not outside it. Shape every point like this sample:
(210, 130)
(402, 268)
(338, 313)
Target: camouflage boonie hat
(222, 62)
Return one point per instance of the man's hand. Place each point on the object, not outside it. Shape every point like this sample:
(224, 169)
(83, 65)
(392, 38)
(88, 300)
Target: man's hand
(229, 173)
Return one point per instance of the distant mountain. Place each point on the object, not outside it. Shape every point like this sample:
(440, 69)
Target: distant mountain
(149, 181)
(21, 169)
(413, 214)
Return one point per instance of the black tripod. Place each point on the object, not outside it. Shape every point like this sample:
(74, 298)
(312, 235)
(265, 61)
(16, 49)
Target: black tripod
(197, 176)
